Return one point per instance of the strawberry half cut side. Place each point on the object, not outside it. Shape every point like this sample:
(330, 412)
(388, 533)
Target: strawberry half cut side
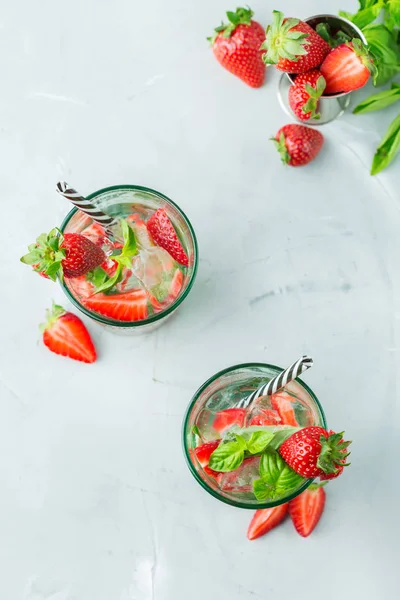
(65, 334)
(266, 519)
(306, 509)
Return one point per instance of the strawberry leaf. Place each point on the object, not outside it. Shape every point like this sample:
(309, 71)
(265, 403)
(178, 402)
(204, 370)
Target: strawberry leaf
(228, 456)
(53, 270)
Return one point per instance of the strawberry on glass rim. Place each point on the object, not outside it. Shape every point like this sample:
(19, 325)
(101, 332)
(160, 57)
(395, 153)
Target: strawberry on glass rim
(56, 255)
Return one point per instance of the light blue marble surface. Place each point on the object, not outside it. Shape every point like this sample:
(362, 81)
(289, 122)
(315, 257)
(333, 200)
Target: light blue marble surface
(96, 501)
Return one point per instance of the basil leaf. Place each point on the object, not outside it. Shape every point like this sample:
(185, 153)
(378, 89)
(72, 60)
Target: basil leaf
(394, 10)
(276, 474)
(261, 490)
(383, 45)
(258, 441)
(280, 437)
(111, 282)
(379, 101)
(367, 15)
(228, 456)
(388, 147)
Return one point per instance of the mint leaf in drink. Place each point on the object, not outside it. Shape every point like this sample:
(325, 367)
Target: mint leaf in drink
(110, 282)
(130, 246)
(388, 148)
(379, 101)
(196, 431)
(98, 276)
(228, 456)
(277, 475)
(258, 441)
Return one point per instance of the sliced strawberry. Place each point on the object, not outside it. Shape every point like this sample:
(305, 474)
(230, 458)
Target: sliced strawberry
(163, 233)
(283, 404)
(266, 416)
(224, 419)
(65, 334)
(306, 509)
(266, 519)
(109, 266)
(347, 67)
(128, 306)
(204, 452)
(214, 474)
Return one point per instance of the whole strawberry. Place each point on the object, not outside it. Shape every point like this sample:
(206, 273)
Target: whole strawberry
(314, 452)
(69, 255)
(305, 93)
(347, 67)
(236, 46)
(293, 46)
(298, 145)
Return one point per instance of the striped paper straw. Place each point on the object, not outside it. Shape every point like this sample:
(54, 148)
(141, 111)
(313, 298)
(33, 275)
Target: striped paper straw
(278, 382)
(88, 208)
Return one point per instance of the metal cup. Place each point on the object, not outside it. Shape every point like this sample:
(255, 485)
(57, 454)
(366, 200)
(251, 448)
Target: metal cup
(331, 106)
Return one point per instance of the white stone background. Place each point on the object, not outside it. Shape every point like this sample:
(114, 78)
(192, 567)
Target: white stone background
(96, 501)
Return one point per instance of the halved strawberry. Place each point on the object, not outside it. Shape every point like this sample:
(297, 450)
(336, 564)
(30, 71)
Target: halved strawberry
(283, 404)
(306, 509)
(224, 419)
(266, 519)
(128, 306)
(204, 452)
(163, 233)
(65, 334)
(266, 416)
(347, 67)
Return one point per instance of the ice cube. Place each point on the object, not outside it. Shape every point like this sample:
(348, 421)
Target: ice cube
(241, 480)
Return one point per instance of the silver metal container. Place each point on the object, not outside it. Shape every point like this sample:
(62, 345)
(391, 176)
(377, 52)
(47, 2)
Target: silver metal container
(331, 106)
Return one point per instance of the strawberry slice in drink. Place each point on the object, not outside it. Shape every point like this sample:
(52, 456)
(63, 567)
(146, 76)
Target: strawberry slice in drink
(203, 454)
(265, 416)
(128, 306)
(163, 234)
(225, 419)
(282, 402)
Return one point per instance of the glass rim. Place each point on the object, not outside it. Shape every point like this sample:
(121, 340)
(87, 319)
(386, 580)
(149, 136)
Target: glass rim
(170, 309)
(237, 503)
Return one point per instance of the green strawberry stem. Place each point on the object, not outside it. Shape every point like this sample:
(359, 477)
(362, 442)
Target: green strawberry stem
(46, 255)
(333, 452)
(315, 94)
(361, 50)
(282, 149)
(282, 42)
(52, 316)
(241, 16)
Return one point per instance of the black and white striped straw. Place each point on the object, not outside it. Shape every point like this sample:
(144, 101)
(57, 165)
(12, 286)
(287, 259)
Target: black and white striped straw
(278, 382)
(88, 208)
